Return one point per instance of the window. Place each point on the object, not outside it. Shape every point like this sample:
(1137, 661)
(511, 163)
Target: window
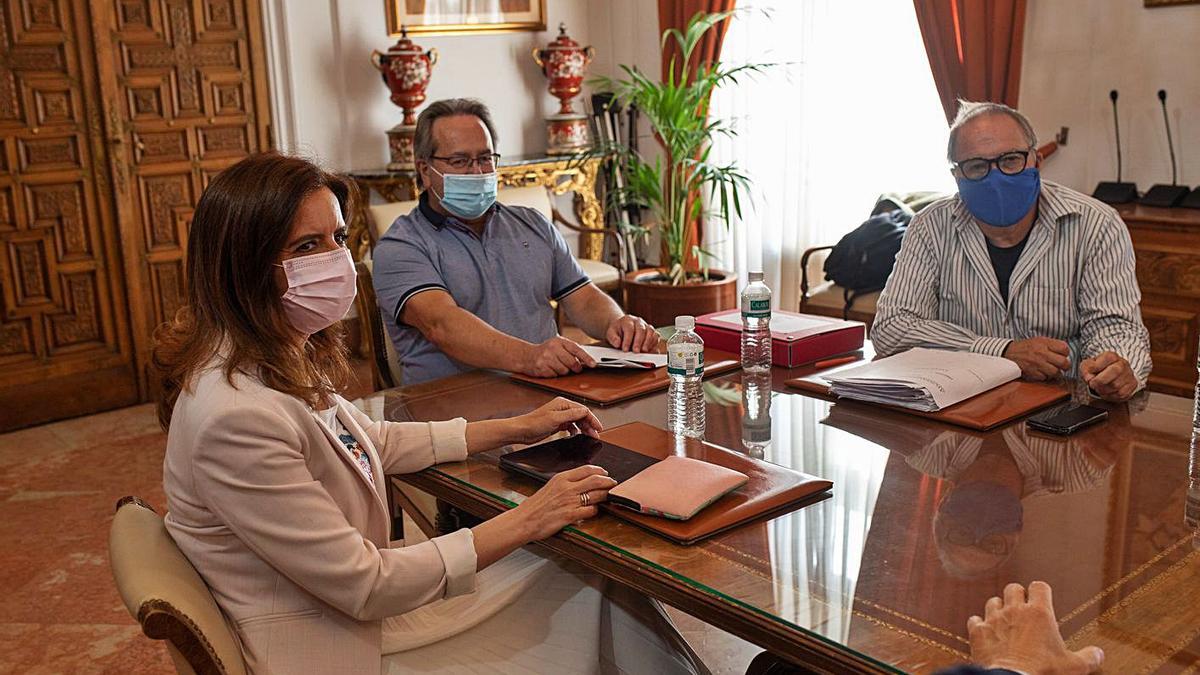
(850, 112)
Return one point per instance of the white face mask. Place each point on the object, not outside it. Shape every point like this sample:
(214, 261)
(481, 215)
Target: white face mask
(321, 288)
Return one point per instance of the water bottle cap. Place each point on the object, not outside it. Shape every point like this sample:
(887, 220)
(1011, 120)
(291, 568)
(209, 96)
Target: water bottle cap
(685, 322)
(756, 276)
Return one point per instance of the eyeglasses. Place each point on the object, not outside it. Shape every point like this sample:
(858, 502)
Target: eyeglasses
(486, 163)
(977, 168)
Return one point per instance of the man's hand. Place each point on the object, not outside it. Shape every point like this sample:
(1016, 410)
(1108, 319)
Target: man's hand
(1021, 634)
(1040, 358)
(556, 356)
(631, 334)
(1109, 376)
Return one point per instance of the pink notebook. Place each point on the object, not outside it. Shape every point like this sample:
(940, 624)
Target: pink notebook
(676, 487)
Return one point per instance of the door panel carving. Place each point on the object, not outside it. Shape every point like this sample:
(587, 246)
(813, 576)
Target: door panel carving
(113, 116)
(187, 77)
(61, 316)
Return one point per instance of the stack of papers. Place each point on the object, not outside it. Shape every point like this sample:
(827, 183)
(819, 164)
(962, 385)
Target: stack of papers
(921, 379)
(607, 357)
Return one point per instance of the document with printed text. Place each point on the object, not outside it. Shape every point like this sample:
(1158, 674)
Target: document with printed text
(923, 379)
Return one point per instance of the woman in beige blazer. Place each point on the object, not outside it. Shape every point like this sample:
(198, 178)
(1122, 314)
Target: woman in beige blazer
(275, 483)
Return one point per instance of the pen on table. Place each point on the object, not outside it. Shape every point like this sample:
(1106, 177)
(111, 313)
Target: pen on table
(829, 363)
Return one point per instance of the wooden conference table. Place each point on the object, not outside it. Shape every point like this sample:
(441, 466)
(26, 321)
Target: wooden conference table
(926, 521)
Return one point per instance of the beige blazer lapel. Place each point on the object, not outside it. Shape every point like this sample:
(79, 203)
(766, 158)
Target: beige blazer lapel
(363, 442)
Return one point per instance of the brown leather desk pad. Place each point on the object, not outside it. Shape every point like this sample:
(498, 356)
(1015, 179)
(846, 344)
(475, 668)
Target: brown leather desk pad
(606, 386)
(988, 410)
(771, 491)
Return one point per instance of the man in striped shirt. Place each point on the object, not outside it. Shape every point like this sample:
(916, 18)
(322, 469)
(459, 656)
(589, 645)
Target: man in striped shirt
(1017, 267)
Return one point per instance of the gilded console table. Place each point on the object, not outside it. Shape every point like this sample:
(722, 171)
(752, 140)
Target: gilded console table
(558, 174)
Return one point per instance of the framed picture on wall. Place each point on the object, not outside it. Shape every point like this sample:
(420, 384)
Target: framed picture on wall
(1168, 3)
(445, 17)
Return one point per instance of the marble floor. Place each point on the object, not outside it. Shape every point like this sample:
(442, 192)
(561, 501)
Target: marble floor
(59, 610)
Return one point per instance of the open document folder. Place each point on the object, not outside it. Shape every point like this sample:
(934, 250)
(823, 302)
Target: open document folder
(923, 379)
(607, 357)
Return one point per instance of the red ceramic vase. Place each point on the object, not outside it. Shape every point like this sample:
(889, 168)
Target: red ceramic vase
(563, 62)
(405, 69)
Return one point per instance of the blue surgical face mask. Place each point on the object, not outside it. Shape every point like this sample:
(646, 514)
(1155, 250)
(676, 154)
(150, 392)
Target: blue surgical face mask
(467, 195)
(1001, 200)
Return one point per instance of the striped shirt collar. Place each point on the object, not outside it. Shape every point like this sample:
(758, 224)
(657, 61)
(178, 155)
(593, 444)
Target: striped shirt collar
(1052, 206)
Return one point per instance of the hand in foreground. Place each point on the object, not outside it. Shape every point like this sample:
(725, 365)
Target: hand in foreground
(631, 334)
(557, 415)
(557, 356)
(1021, 634)
(559, 503)
(1109, 376)
(1040, 358)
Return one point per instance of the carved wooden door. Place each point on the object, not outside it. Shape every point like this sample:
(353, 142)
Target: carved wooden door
(65, 346)
(185, 86)
(114, 115)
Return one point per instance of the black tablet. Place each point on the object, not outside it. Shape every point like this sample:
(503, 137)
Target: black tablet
(542, 462)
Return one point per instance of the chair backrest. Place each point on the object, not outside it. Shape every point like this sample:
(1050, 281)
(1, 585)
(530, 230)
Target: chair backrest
(532, 196)
(387, 370)
(166, 595)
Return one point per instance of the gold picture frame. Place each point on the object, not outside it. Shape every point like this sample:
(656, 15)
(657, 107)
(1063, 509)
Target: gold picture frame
(420, 21)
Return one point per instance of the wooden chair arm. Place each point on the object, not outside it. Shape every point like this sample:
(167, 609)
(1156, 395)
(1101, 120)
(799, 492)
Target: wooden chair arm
(804, 272)
(558, 219)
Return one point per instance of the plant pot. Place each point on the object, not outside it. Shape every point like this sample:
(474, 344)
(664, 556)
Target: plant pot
(659, 303)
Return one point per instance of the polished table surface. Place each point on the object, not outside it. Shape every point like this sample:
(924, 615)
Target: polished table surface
(926, 521)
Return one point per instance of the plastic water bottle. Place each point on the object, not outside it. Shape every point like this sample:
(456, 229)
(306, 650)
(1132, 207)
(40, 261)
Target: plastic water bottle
(756, 325)
(685, 365)
(756, 413)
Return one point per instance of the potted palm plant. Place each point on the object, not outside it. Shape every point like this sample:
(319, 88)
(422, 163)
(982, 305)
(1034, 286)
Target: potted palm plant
(683, 185)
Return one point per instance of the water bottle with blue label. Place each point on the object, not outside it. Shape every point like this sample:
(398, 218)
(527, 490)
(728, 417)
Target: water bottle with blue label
(685, 366)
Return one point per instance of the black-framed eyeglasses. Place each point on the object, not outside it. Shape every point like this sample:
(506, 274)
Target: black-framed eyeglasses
(464, 163)
(977, 168)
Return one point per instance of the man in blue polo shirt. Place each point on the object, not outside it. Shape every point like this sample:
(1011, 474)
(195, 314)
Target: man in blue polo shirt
(465, 282)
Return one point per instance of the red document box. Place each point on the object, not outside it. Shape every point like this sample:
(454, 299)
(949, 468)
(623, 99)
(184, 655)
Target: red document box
(796, 339)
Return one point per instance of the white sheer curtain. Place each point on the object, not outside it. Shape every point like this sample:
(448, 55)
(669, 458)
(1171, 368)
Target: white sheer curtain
(850, 112)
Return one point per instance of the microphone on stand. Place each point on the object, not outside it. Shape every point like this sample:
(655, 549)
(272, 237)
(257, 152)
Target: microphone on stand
(1166, 195)
(1118, 192)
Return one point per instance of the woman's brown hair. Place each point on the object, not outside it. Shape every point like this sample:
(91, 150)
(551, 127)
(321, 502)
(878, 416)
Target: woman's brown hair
(241, 224)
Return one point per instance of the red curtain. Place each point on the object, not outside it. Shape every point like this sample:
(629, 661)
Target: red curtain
(974, 49)
(675, 14)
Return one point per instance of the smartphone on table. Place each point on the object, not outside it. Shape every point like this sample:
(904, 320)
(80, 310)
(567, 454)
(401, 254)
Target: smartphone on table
(1067, 419)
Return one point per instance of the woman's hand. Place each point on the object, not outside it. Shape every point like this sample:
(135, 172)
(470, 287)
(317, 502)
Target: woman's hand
(559, 503)
(557, 415)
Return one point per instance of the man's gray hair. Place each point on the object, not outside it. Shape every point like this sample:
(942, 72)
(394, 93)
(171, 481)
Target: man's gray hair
(969, 110)
(423, 146)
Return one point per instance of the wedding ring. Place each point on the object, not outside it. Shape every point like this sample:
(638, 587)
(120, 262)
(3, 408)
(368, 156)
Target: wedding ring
(585, 499)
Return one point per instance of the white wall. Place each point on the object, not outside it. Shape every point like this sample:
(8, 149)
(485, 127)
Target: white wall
(1076, 51)
(331, 104)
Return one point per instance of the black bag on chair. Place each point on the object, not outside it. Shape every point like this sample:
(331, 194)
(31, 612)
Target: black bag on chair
(863, 259)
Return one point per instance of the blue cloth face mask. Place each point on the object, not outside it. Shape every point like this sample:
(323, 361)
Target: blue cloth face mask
(1001, 200)
(468, 195)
